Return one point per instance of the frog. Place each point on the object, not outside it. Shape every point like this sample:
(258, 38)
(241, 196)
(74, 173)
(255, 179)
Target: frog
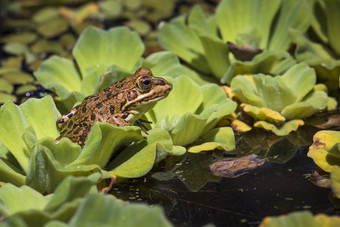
(121, 104)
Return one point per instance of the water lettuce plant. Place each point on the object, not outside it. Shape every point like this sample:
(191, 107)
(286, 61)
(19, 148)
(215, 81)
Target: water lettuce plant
(30, 155)
(280, 103)
(300, 218)
(99, 69)
(251, 25)
(322, 53)
(325, 152)
(75, 202)
(190, 114)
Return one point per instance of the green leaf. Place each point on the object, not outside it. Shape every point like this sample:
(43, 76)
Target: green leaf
(216, 53)
(139, 164)
(103, 141)
(164, 63)
(184, 42)
(46, 172)
(12, 128)
(60, 75)
(219, 138)
(190, 110)
(31, 208)
(307, 107)
(291, 94)
(332, 9)
(118, 46)
(93, 212)
(293, 15)
(45, 110)
(235, 18)
(184, 97)
(267, 62)
(15, 199)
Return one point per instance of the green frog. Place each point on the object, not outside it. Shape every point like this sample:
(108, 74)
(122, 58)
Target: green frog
(121, 104)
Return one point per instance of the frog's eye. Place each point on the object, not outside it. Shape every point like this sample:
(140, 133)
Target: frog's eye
(145, 83)
(125, 115)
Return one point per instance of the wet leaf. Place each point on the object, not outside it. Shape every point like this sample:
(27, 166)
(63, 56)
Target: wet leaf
(52, 27)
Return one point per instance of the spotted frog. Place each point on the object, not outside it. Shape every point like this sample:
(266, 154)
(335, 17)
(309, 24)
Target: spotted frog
(121, 104)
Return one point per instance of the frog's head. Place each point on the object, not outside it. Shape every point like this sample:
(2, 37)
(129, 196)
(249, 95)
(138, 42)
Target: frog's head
(144, 94)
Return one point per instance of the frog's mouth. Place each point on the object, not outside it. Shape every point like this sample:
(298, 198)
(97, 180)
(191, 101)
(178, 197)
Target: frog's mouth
(146, 101)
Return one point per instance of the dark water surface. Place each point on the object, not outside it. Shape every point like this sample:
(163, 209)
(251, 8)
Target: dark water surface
(272, 190)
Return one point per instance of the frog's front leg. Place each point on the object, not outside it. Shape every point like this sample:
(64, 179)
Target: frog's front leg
(65, 118)
(120, 119)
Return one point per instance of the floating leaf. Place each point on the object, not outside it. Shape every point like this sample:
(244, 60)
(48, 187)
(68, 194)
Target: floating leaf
(111, 9)
(25, 88)
(15, 48)
(7, 98)
(280, 98)
(18, 78)
(24, 38)
(5, 86)
(47, 46)
(45, 14)
(141, 27)
(53, 27)
(300, 219)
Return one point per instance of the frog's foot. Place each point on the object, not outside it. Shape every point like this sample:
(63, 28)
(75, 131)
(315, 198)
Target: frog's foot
(140, 123)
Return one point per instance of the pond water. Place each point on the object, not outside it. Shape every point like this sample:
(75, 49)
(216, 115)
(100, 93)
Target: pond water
(272, 189)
